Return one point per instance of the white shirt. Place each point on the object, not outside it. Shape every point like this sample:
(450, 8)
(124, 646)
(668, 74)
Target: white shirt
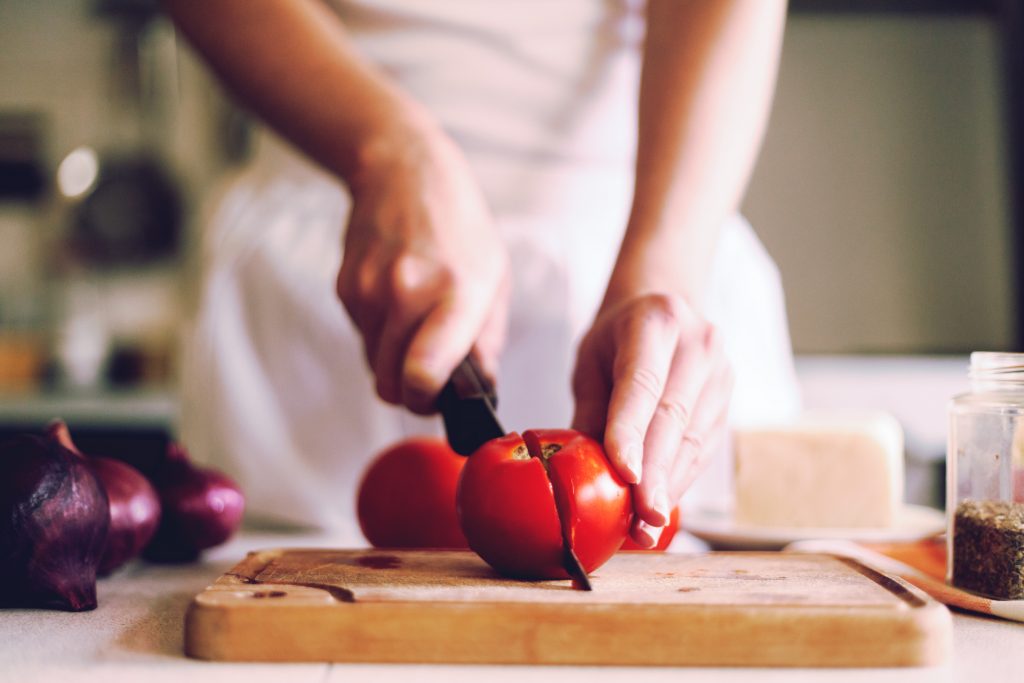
(541, 97)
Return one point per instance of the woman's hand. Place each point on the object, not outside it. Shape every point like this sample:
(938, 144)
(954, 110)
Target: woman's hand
(424, 274)
(652, 379)
(651, 376)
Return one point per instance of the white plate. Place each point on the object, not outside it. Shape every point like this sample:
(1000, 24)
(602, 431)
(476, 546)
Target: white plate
(913, 522)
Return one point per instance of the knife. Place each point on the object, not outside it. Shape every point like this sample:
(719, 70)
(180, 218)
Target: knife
(467, 404)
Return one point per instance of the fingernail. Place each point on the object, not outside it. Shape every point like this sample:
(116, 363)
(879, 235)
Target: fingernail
(653, 533)
(660, 502)
(632, 458)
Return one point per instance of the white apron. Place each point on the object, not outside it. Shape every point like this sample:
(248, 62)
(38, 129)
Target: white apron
(541, 97)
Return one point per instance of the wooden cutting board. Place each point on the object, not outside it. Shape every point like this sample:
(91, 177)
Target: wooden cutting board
(715, 609)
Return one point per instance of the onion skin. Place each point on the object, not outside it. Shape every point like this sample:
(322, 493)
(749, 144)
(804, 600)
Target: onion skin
(134, 504)
(54, 518)
(201, 507)
(134, 512)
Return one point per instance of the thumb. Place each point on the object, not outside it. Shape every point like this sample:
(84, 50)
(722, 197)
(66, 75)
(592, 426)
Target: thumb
(443, 339)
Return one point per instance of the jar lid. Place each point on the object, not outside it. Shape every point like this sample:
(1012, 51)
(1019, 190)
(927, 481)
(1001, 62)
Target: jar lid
(998, 366)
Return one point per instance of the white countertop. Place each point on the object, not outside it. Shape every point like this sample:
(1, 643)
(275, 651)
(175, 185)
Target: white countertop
(136, 635)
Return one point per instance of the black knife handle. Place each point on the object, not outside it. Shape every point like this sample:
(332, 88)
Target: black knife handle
(467, 403)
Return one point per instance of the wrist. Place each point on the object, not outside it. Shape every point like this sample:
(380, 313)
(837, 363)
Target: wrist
(642, 268)
(402, 141)
(663, 255)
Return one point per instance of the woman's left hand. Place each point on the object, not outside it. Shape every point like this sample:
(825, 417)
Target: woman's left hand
(652, 378)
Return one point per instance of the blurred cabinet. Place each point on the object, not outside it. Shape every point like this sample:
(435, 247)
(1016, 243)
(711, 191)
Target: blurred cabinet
(890, 185)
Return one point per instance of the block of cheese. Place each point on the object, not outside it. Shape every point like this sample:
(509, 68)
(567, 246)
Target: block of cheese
(821, 471)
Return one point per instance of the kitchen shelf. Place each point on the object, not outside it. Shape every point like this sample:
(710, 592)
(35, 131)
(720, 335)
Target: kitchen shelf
(137, 409)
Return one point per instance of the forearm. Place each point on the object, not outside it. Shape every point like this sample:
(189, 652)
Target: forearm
(293, 64)
(708, 76)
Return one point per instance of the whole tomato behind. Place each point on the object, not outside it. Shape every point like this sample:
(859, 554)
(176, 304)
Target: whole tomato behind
(518, 495)
(667, 534)
(407, 496)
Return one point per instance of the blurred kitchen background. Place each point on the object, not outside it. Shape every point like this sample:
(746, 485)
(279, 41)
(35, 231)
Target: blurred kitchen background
(886, 193)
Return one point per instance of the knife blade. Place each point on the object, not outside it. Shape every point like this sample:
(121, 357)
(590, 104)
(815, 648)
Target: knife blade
(467, 404)
(572, 566)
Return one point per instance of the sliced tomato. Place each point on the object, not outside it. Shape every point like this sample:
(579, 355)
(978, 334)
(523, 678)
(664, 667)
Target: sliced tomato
(518, 495)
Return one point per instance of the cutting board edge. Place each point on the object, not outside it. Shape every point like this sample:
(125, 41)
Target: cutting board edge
(224, 623)
(923, 636)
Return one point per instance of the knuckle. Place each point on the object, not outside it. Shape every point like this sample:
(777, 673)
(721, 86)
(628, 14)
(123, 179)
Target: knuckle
(646, 382)
(402, 275)
(663, 308)
(365, 284)
(409, 274)
(671, 307)
(667, 304)
(661, 311)
(694, 442)
(702, 456)
(675, 410)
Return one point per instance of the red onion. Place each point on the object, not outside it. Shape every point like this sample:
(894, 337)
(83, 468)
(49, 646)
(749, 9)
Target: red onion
(54, 517)
(134, 505)
(201, 508)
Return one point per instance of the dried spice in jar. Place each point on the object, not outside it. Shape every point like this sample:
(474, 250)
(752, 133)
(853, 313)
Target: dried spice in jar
(985, 479)
(988, 548)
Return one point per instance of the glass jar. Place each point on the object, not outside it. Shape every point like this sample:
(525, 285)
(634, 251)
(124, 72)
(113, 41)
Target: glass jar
(985, 479)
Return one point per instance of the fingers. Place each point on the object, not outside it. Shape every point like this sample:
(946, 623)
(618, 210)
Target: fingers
(706, 435)
(417, 325)
(412, 290)
(655, 373)
(678, 406)
(358, 290)
(646, 535)
(413, 351)
(443, 339)
(423, 271)
(644, 351)
(703, 437)
(465, 317)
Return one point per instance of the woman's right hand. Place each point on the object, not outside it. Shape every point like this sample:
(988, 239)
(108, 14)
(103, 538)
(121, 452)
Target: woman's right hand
(424, 276)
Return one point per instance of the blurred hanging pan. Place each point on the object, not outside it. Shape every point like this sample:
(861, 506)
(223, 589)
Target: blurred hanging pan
(132, 216)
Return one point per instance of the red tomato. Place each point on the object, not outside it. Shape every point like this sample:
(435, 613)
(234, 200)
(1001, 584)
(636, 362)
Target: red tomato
(667, 534)
(407, 496)
(516, 493)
